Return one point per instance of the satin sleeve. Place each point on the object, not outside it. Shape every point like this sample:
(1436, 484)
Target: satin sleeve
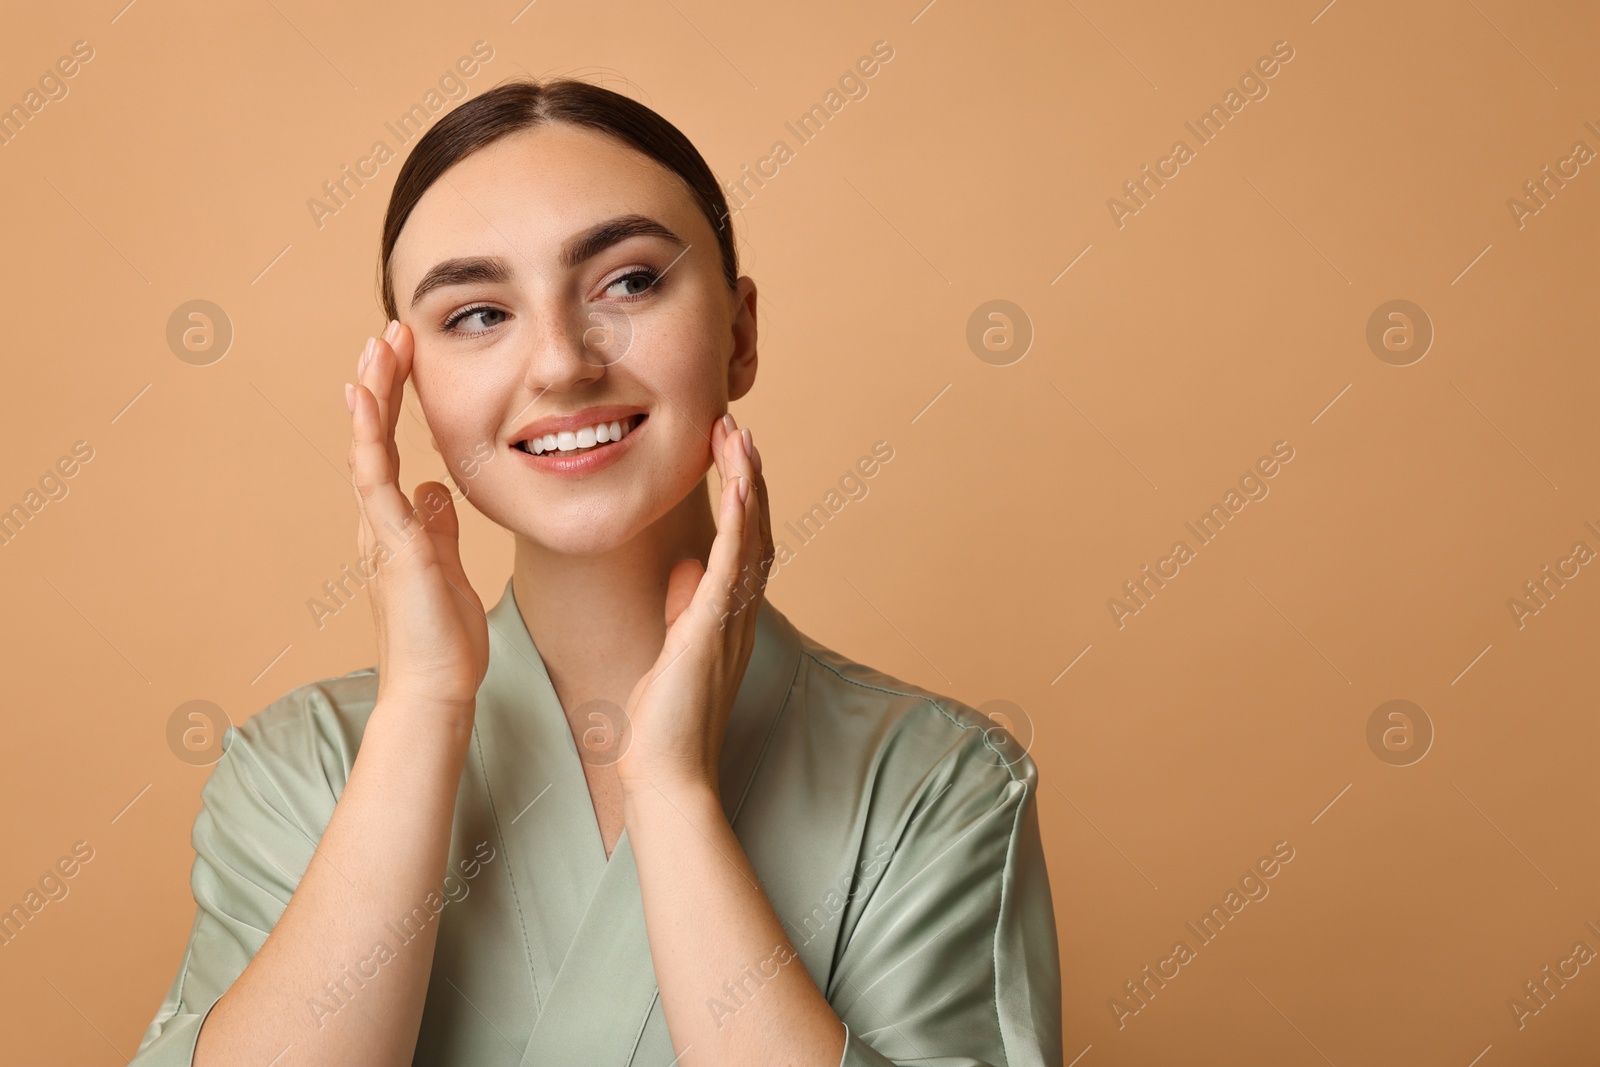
(263, 809)
(953, 960)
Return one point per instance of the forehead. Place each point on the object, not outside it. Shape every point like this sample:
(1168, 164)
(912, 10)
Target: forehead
(531, 190)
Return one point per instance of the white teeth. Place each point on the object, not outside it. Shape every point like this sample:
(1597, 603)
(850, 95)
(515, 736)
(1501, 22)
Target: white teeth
(588, 437)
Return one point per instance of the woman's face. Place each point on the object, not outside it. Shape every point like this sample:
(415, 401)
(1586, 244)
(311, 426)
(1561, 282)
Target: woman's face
(546, 325)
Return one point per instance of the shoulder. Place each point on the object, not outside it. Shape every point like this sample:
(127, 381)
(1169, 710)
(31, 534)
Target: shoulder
(306, 738)
(912, 732)
(270, 796)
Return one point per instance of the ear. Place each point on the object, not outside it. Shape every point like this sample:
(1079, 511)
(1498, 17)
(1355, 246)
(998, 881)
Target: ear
(742, 362)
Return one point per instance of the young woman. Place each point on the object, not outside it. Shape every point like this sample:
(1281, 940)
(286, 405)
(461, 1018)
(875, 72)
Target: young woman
(629, 815)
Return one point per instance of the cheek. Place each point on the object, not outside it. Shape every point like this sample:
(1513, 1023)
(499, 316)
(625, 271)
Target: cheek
(688, 397)
(681, 354)
(683, 451)
(453, 414)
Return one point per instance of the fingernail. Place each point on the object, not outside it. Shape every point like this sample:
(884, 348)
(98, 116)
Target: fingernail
(744, 489)
(350, 397)
(744, 439)
(391, 331)
(728, 424)
(366, 356)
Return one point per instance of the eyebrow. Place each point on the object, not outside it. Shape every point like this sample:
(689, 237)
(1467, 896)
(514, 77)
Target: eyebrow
(467, 270)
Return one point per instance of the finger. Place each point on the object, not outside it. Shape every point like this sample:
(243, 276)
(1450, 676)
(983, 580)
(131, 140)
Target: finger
(379, 376)
(727, 551)
(366, 376)
(719, 441)
(384, 507)
(752, 578)
(366, 368)
(746, 579)
(682, 582)
(729, 448)
(364, 537)
(733, 449)
(736, 461)
(437, 509)
(766, 548)
(403, 347)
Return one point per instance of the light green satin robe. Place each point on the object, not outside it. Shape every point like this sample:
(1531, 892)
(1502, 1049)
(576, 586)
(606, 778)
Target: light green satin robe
(894, 830)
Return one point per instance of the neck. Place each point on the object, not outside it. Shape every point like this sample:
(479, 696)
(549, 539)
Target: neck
(599, 621)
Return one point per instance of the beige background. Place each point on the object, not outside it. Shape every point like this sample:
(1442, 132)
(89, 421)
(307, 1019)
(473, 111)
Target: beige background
(1227, 314)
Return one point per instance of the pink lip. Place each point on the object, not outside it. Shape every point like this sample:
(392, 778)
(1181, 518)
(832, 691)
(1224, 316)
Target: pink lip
(586, 463)
(575, 421)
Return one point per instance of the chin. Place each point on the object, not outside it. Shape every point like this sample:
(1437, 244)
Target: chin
(569, 541)
(588, 528)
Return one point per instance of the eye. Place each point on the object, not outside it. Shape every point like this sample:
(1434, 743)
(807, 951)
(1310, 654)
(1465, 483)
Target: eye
(636, 283)
(449, 324)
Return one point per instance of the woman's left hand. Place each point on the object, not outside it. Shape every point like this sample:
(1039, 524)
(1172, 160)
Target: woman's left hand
(678, 712)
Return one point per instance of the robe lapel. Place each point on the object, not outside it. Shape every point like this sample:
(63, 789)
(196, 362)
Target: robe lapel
(522, 789)
(535, 785)
(582, 916)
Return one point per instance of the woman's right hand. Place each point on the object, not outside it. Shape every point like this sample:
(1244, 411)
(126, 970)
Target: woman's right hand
(433, 636)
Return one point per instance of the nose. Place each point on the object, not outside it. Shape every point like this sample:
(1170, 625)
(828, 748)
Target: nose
(577, 343)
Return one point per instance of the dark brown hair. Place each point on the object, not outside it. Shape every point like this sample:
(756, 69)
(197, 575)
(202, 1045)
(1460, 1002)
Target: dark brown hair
(524, 103)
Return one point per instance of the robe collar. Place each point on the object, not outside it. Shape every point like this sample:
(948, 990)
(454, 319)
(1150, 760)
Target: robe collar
(583, 917)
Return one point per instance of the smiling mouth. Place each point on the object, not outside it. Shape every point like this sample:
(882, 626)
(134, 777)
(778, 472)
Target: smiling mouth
(570, 443)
